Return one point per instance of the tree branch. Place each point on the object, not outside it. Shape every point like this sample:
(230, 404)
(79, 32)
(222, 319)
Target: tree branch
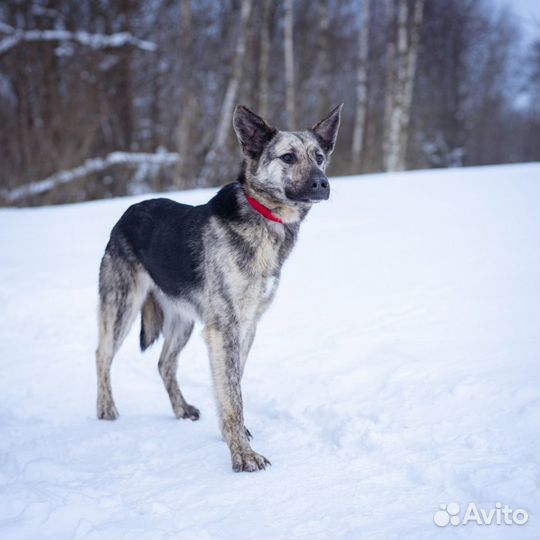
(94, 41)
(88, 167)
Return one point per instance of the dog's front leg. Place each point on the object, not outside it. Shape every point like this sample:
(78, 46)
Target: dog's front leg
(225, 356)
(246, 343)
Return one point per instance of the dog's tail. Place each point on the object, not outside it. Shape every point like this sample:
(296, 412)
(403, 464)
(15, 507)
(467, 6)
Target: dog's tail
(151, 321)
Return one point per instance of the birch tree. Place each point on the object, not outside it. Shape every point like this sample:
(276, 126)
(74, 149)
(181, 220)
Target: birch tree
(213, 160)
(361, 88)
(390, 80)
(401, 66)
(290, 99)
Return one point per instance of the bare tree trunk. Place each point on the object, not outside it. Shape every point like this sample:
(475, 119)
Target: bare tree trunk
(289, 64)
(390, 81)
(392, 135)
(361, 89)
(399, 93)
(125, 84)
(212, 161)
(322, 58)
(184, 167)
(412, 56)
(155, 109)
(264, 59)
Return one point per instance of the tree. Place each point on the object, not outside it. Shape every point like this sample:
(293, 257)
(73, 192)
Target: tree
(401, 69)
(264, 58)
(288, 46)
(107, 98)
(453, 33)
(213, 163)
(322, 57)
(361, 88)
(185, 166)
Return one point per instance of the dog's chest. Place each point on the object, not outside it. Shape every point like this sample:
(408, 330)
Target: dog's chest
(265, 255)
(253, 274)
(252, 300)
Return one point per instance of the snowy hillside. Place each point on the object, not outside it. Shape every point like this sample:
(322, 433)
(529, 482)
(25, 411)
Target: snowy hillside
(397, 370)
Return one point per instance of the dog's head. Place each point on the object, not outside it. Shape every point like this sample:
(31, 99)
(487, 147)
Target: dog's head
(286, 168)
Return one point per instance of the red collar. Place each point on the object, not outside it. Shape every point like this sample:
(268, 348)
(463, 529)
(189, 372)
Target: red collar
(266, 212)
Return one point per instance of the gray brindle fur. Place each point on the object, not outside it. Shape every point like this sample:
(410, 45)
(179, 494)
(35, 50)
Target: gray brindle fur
(219, 263)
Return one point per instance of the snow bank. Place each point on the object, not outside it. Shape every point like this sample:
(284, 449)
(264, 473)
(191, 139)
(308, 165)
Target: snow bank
(396, 371)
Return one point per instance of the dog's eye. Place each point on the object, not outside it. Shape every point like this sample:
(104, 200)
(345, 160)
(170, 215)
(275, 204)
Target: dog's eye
(319, 158)
(288, 158)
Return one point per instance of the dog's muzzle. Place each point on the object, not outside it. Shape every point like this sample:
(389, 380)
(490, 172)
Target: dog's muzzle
(316, 188)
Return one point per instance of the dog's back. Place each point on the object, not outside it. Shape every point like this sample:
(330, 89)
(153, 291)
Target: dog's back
(165, 237)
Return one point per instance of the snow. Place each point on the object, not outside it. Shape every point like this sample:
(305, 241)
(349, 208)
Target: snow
(397, 370)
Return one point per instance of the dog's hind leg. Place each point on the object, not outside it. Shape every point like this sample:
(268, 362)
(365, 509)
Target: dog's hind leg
(176, 332)
(122, 288)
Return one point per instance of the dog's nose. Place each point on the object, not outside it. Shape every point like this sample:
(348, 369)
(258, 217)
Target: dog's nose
(320, 188)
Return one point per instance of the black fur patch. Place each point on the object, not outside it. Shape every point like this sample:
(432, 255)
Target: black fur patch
(224, 204)
(166, 237)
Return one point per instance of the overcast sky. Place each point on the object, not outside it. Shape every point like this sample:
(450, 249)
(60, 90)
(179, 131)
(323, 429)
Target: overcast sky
(526, 8)
(527, 12)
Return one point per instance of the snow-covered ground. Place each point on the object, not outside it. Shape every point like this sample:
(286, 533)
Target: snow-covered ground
(397, 370)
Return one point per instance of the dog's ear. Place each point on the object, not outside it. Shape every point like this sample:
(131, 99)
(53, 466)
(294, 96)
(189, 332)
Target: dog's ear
(252, 131)
(327, 129)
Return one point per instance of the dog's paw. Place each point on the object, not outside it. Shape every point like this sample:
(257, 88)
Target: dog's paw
(248, 433)
(187, 411)
(107, 411)
(248, 461)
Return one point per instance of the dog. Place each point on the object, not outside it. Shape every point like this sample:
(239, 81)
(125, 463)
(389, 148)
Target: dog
(219, 263)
